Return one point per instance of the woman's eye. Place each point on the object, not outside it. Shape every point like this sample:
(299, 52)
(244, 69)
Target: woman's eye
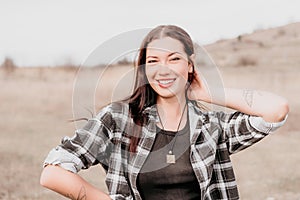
(151, 61)
(175, 59)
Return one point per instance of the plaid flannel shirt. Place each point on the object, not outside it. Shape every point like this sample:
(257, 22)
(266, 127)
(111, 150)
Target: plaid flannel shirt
(213, 137)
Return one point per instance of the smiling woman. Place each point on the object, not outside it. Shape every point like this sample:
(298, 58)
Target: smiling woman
(159, 143)
(167, 68)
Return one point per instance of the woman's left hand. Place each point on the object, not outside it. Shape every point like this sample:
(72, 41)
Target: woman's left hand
(198, 89)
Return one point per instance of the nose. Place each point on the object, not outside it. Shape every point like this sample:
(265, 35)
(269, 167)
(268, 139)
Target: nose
(164, 68)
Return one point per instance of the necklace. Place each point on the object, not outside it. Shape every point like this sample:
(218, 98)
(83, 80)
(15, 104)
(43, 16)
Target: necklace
(170, 157)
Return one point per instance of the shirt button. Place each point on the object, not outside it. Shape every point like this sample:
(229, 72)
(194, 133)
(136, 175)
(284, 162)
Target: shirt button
(64, 139)
(203, 118)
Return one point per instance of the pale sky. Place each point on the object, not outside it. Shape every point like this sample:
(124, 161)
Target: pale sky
(52, 32)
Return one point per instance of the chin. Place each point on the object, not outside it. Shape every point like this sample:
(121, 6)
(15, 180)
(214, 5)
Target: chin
(167, 95)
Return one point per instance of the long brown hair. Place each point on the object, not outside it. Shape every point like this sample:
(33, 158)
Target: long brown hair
(143, 95)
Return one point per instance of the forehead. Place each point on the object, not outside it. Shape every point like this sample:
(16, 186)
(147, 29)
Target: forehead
(166, 44)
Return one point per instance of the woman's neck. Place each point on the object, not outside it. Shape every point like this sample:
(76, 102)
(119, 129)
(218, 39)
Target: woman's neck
(171, 113)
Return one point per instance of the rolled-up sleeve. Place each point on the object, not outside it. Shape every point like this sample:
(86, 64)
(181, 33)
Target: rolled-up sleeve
(267, 127)
(63, 158)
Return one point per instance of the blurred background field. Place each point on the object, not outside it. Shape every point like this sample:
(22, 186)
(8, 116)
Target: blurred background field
(37, 102)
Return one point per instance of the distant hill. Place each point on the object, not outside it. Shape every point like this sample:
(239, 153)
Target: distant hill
(276, 47)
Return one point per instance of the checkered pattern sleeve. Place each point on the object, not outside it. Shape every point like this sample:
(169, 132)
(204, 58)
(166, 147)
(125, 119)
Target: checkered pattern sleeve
(242, 130)
(90, 145)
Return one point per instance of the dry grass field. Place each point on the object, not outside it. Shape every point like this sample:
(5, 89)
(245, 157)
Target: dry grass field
(36, 104)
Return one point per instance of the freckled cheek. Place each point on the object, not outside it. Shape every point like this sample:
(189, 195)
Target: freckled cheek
(182, 72)
(150, 73)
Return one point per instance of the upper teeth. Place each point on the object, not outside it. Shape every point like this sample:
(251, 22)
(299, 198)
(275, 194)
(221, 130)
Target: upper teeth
(165, 81)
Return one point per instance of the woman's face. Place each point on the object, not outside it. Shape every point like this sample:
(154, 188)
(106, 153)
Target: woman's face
(167, 67)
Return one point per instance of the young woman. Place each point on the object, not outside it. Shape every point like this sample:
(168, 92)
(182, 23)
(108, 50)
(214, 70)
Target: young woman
(158, 143)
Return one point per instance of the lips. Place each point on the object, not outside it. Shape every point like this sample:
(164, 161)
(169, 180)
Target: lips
(165, 82)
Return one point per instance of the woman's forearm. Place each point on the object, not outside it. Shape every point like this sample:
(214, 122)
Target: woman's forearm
(271, 107)
(69, 184)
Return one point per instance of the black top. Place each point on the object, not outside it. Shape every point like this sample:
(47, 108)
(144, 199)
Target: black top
(160, 180)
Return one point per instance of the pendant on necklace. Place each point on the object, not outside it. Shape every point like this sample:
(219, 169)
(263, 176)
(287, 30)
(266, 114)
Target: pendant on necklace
(170, 158)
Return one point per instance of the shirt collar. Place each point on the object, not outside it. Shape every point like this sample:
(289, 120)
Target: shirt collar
(151, 111)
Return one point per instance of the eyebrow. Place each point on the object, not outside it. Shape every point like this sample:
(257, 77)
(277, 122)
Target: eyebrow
(168, 55)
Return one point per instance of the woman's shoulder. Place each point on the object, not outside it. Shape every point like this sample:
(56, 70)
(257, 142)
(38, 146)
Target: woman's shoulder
(200, 109)
(118, 106)
(214, 114)
(119, 109)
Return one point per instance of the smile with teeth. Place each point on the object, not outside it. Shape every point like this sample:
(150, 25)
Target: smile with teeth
(166, 81)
